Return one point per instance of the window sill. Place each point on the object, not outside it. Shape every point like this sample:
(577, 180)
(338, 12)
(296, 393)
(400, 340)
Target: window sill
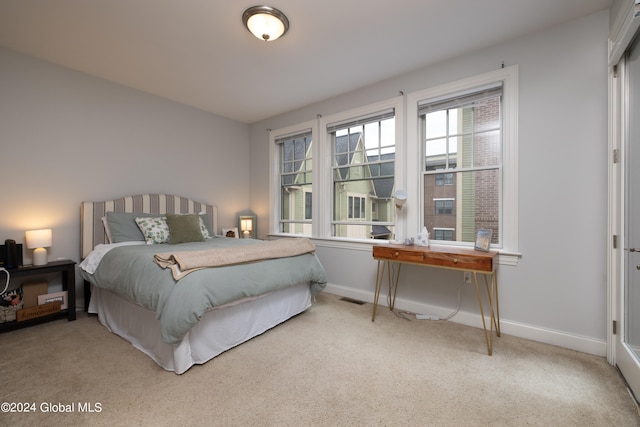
(504, 257)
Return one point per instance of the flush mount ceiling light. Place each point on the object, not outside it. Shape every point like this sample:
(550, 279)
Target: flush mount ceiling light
(264, 22)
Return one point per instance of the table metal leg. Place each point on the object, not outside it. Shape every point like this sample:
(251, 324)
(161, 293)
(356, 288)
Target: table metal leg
(488, 337)
(494, 280)
(492, 292)
(392, 303)
(379, 277)
(391, 278)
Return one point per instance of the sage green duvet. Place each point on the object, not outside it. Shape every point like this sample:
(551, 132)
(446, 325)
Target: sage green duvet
(130, 272)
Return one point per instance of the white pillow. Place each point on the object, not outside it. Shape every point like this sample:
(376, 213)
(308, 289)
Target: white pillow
(154, 230)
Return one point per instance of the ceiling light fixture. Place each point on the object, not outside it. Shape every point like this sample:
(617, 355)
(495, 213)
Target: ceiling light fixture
(264, 22)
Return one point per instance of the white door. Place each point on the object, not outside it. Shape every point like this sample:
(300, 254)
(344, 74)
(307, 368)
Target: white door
(628, 334)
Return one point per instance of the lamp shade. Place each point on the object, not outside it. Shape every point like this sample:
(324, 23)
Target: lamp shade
(246, 224)
(266, 23)
(38, 238)
(400, 198)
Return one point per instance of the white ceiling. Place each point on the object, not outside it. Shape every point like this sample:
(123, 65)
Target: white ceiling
(197, 52)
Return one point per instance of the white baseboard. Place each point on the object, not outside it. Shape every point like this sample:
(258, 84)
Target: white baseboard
(531, 332)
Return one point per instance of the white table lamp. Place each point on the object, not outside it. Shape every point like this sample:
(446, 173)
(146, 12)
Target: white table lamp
(246, 225)
(38, 240)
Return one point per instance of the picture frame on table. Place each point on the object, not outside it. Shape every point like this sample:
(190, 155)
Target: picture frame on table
(55, 296)
(483, 240)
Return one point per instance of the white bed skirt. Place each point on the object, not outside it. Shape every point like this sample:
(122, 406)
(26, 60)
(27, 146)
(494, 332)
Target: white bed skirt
(219, 329)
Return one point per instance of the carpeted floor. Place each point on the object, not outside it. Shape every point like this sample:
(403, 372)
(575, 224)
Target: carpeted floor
(330, 366)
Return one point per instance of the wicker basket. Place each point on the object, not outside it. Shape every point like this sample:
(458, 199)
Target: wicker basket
(8, 314)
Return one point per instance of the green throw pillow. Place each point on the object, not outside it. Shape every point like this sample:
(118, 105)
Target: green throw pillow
(184, 228)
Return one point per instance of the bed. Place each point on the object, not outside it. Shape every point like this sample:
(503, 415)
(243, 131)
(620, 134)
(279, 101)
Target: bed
(181, 310)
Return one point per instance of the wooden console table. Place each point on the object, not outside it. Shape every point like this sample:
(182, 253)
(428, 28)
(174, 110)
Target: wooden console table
(472, 261)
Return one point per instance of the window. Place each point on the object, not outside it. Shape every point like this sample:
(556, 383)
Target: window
(463, 134)
(466, 141)
(443, 206)
(307, 205)
(295, 172)
(357, 206)
(458, 166)
(444, 179)
(363, 175)
(443, 234)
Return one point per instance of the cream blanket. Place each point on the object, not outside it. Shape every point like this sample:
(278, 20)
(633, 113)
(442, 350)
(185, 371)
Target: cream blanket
(182, 263)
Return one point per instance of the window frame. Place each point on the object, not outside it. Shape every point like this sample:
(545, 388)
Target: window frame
(407, 220)
(326, 153)
(275, 214)
(360, 207)
(508, 76)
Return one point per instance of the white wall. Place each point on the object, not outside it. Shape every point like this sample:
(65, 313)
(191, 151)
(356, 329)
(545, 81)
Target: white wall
(66, 137)
(557, 293)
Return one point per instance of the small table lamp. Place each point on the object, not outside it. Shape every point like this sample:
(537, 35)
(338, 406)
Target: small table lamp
(246, 225)
(39, 240)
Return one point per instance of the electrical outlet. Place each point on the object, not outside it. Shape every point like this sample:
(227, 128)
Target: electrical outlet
(467, 277)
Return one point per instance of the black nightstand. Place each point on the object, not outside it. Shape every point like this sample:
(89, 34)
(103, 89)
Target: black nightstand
(67, 269)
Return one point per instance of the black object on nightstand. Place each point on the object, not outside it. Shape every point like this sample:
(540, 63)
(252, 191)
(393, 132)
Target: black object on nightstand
(68, 272)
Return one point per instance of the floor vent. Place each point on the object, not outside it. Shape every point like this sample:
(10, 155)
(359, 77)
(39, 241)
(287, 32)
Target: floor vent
(351, 300)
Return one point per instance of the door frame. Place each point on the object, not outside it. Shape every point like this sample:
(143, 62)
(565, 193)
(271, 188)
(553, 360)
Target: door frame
(614, 199)
(622, 34)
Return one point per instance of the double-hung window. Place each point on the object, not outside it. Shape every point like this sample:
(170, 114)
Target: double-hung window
(295, 182)
(462, 137)
(363, 156)
(466, 141)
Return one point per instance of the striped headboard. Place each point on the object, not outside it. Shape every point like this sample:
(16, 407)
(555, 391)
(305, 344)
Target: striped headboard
(92, 230)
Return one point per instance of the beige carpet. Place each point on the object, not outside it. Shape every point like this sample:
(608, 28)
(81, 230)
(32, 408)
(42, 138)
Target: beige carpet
(329, 366)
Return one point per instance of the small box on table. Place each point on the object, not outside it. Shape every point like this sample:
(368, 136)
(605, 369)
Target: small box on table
(31, 291)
